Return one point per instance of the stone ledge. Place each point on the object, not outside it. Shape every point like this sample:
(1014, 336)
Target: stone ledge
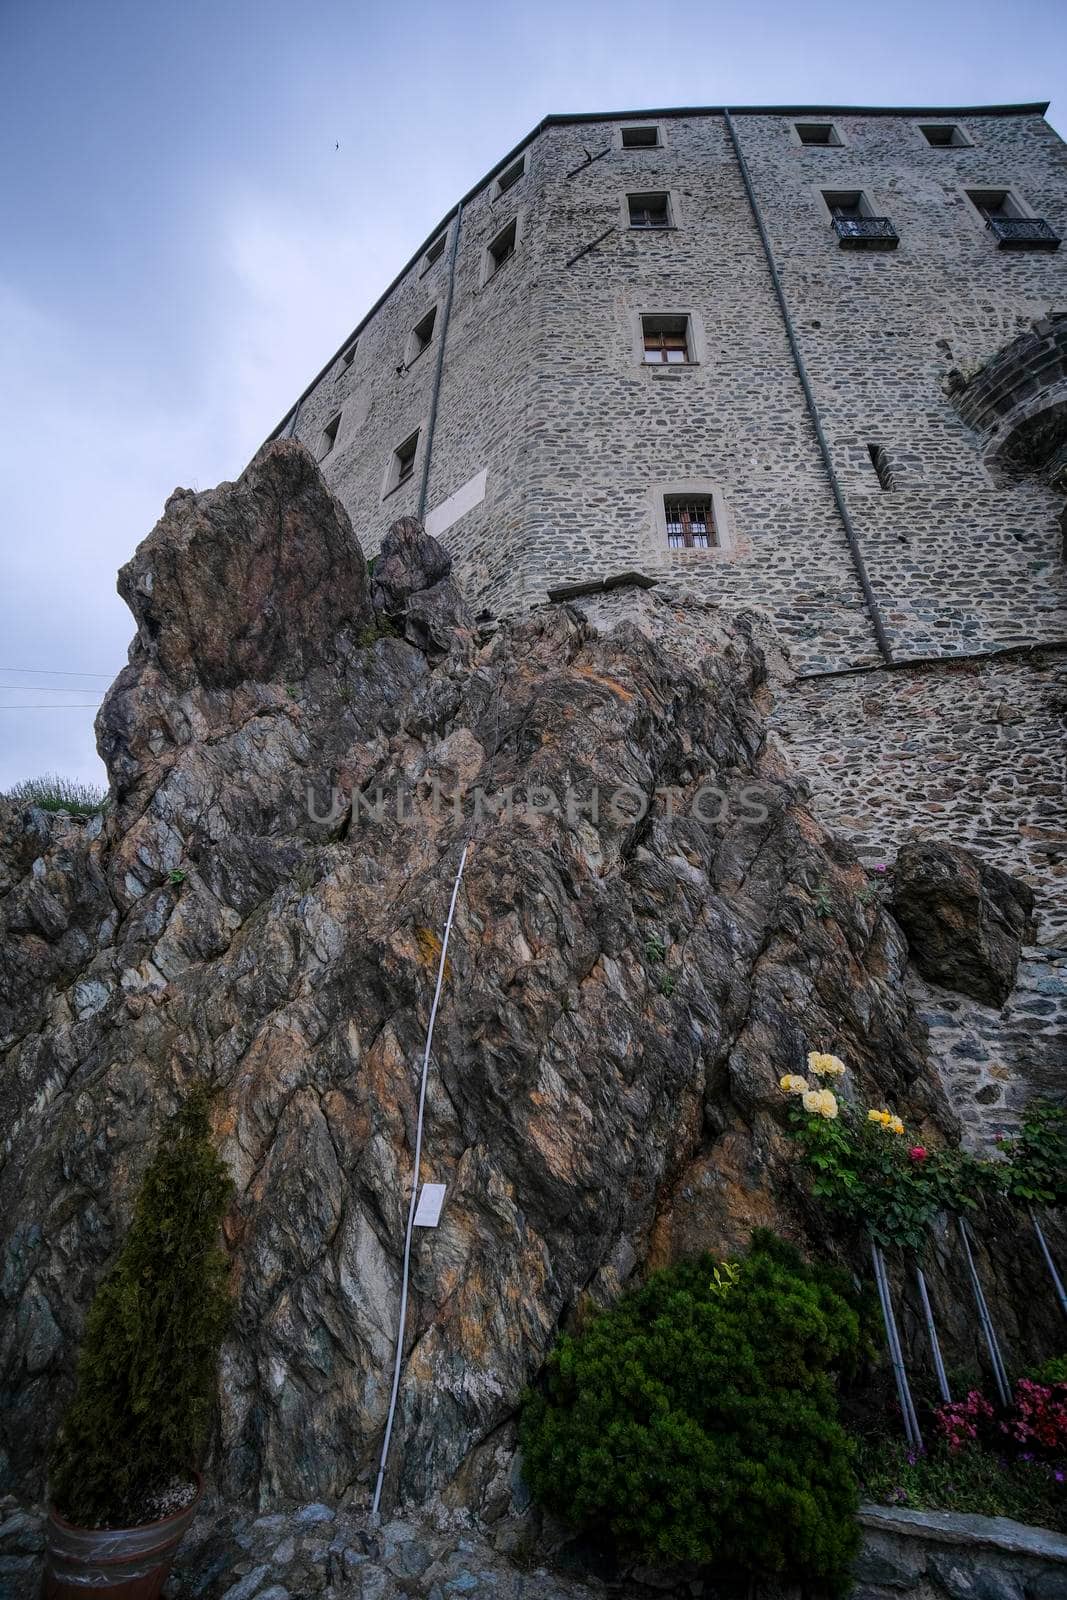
(950, 1527)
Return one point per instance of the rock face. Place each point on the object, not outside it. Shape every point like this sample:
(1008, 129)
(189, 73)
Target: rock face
(646, 937)
(966, 921)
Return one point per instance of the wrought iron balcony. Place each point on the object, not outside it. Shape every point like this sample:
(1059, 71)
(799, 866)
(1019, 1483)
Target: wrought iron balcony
(865, 233)
(1023, 233)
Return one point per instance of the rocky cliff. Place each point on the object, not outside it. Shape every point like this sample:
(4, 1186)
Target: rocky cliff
(651, 928)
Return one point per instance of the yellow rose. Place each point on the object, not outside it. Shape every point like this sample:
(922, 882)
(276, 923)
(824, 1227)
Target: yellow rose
(815, 1061)
(827, 1105)
(812, 1101)
(874, 1116)
(792, 1083)
(896, 1125)
(834, 1067)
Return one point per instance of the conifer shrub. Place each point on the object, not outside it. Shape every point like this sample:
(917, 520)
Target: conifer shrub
(146, 1375)
(697, 1421)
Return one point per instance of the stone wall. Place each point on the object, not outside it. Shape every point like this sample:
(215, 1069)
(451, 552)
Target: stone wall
(931, 1555)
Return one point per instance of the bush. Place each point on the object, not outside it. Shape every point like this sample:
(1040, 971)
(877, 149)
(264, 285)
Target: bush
(145, 1381)
(697, 1421)
(52, 793)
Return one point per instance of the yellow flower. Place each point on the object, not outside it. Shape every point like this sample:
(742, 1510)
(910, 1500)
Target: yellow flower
(895, 1125)
(874, 1116)
(825, 1066)
(793, 1084)
(812, 1101)
(827, 1104)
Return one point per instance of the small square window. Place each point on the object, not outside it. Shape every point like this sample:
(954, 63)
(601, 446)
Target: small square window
(434, 253)
(666, 341)
(817, 133)
(329, 437)
(944, 135)
(422, 334)
(643, 137)
(403, 463)
(510, 177)
(995, 203)
(846, 203)
(649, 210)
(690, 521)
(502, 248)
(349, 355)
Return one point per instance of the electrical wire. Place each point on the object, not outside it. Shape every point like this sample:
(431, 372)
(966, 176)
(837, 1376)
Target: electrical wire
(398, 1359)
(42, 705)
(46, 688)
(58, 672)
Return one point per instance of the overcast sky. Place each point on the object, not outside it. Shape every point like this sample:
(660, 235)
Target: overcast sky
(183, 245)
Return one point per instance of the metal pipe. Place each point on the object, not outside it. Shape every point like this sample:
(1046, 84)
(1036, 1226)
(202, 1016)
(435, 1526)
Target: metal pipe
(439, 369)
(896, 1357)
(813, 410)
(1057, 1281)
(398, 1358)
(1000, 1376)
(931, 1334)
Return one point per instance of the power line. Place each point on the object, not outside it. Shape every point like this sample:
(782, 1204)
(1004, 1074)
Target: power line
(45, 688)
(58, 672)
(50, 705)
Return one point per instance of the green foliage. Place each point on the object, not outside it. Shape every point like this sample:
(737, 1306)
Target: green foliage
(655, 950)
(146, 1374)
(176, 876)
(52, 793)
(381, 628)
(666, 983)
(1035, 1173)
(969, 1480)
(877, 1180)
(693, 1422)
(823, 903)
(724, 1278)
(1054, 1370)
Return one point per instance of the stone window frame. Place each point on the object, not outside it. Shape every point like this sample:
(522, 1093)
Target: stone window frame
(712, 489)
(1022, 206)
(522, 162)
(627, 127)
(328, 437)
(965, 141)
(429, 259)
(391, 481)
(698, 351)
(490, 268)
(838, 139)
(673, 223)
(411, 354)
(348, 355)
(868, 199)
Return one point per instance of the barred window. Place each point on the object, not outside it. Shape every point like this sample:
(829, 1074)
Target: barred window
(666, 340)
(690, 522)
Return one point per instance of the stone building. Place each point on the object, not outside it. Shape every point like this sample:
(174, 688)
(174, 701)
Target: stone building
(810, 360)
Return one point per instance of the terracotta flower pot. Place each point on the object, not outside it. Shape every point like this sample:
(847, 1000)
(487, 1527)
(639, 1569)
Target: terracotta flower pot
(122, 1563)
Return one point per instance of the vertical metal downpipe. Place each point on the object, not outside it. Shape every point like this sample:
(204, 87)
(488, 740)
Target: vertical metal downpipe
(802, 373)
(432, 421)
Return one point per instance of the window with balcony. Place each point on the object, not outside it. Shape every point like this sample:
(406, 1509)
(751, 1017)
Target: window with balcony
(649, 210)
(855, 223)
(1010, 221)
(666, 341)
(690, 521)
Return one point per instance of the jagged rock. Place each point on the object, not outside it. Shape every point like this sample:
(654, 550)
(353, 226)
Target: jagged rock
(638, 953)
(966, 921)
(413, 586)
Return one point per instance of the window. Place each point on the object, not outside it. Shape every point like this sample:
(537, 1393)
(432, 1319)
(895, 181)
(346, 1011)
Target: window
(817, 133)
(510, 177)
(422, 334)
(666, 341)
(434, 253)
(349, 355)
(329, 437)
(644, 137)
(944, 135)
(402, 465)
(649, 210)
(847, 204)
(690, 521)
(880, 463)
(995, 204)
(502, 249)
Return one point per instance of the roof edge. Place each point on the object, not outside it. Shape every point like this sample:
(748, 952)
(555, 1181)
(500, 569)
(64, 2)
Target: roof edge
(1030, 108)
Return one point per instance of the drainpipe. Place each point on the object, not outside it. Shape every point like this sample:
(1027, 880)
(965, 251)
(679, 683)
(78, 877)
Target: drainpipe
(802, 373)
(432, 422)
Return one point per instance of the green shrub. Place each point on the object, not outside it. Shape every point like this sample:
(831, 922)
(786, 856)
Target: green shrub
(146, 1376)
(697, 1421)
(52, 793)
(972, 1480)
(1054, 1370)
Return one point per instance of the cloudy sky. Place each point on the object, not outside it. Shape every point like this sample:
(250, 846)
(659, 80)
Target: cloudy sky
(183, 243)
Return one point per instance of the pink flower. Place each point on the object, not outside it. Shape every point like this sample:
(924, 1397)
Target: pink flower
(918, 1152)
